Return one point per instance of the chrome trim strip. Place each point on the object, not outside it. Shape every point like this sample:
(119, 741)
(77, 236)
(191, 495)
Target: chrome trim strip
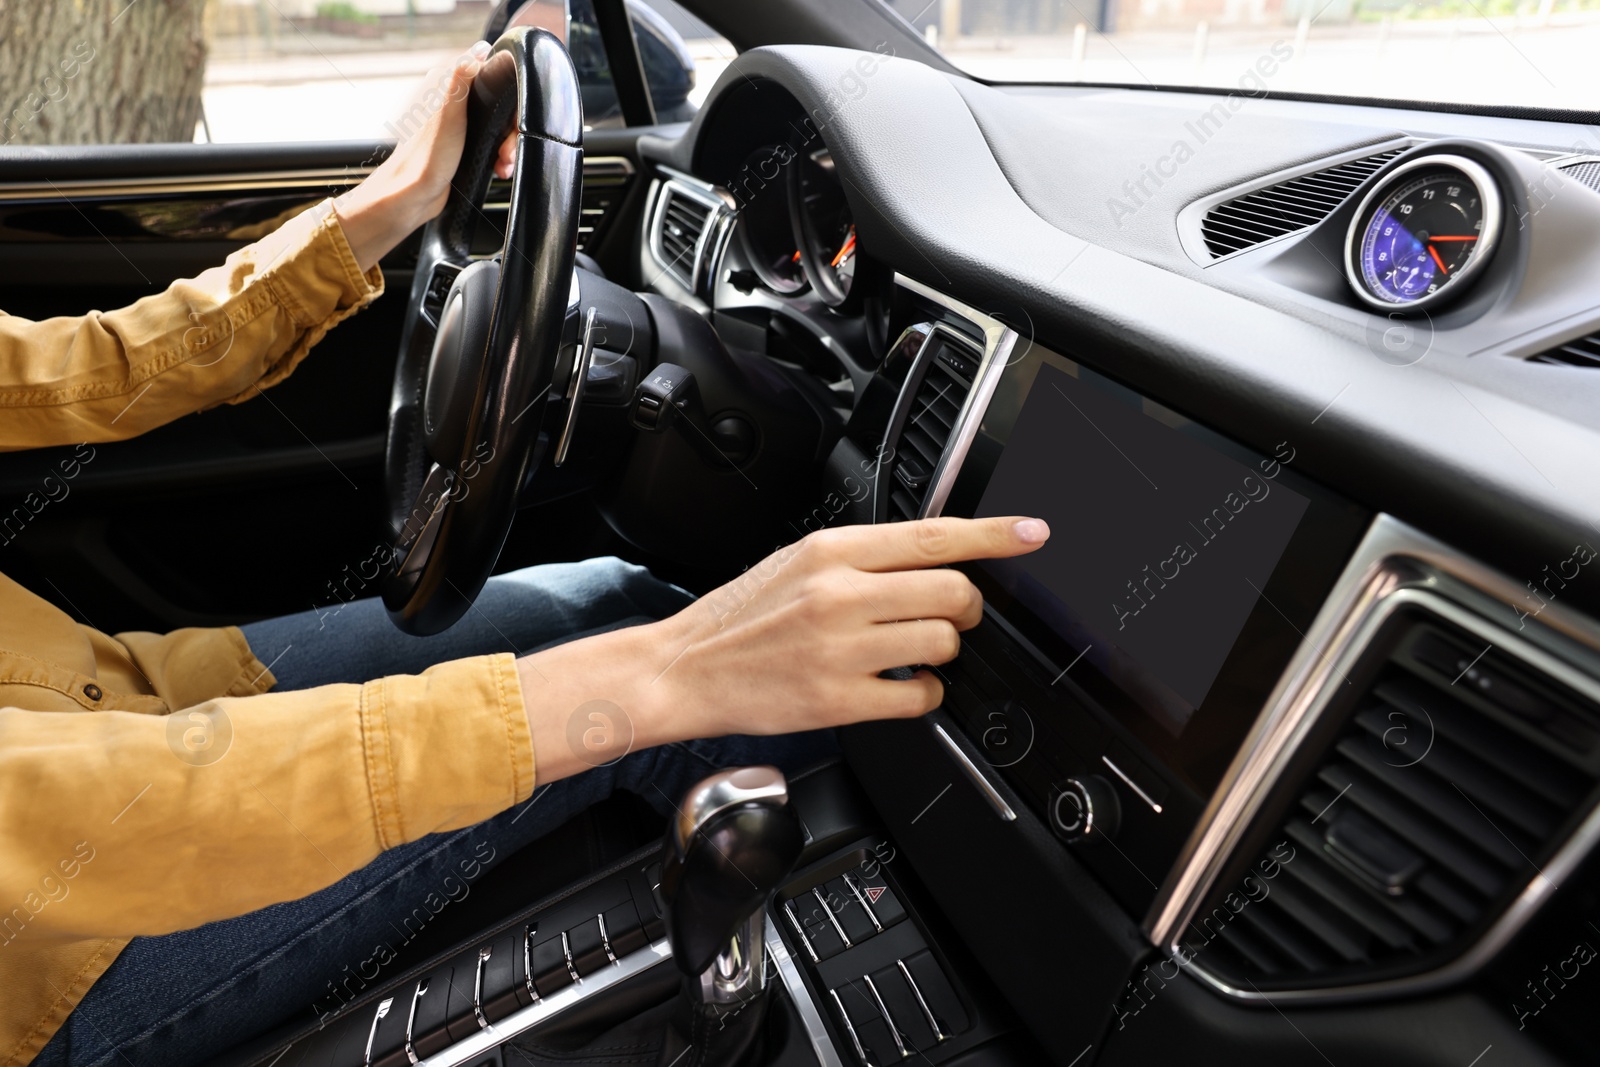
(990, 793)
(411, 1021)
(372, 1032)
(287, 180)
(1394, 566)
(1130, 784)
(900, 413)
(861, 898)
(718, 235)
(998, 342)
(916, 990)
(883, 1009)
(580, 376)
(799, 931)
(477, 987)
(566, 950)
(527, 961)
(680, 184)
(810, 1017)
(832, 918)
(605, 937)
(849, 1027)
(622, 163)
(496, 1034)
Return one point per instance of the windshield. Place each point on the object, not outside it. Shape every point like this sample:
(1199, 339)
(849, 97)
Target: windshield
(1502, 52)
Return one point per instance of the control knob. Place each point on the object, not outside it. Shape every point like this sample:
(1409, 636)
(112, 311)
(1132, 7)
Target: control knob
(1084, 809)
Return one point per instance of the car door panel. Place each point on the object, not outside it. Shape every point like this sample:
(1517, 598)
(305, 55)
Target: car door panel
(246, 510)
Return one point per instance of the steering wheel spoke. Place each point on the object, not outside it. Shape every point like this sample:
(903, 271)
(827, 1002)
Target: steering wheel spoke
(440, 278)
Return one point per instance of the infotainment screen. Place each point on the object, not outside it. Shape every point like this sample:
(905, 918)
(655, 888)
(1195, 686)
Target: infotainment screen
(1161, 545)
(1181, 571)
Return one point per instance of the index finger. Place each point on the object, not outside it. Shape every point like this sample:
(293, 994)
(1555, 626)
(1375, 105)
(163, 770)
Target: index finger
(922, 543)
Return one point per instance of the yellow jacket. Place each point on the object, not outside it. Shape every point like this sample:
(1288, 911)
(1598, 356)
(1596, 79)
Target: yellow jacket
(116, 819)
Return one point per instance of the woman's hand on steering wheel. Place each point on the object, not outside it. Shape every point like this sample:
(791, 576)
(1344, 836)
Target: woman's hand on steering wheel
(410, 186)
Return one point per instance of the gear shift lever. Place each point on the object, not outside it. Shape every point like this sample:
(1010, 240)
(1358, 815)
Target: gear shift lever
(734, 840)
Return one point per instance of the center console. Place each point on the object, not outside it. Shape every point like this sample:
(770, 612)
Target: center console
(1217, 671)
(1118, 668)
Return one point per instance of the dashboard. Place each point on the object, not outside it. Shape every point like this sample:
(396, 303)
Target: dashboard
(1303, 696)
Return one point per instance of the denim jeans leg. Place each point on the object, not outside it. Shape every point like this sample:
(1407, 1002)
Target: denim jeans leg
(183, 997)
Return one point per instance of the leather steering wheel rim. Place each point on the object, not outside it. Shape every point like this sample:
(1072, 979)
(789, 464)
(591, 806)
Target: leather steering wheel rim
(479, 352)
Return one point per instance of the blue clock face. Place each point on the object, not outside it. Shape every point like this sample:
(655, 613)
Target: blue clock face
(1421, 236)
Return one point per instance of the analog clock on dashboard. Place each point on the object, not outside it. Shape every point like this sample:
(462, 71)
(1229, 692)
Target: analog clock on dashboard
(1423, 232)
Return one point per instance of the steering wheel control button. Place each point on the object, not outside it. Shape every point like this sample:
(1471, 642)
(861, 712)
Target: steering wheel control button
(439, 283)
(1084, 809)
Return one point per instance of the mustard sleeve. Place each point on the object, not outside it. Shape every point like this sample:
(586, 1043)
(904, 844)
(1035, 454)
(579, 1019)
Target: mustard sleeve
(217, 338)
(115, 824)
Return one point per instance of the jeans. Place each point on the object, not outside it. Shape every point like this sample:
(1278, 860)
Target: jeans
(186, 996)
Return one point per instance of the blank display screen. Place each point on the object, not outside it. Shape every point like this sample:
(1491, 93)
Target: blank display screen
(1160, 546)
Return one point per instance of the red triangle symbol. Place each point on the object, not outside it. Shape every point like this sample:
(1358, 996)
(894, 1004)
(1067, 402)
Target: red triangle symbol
(876, 891)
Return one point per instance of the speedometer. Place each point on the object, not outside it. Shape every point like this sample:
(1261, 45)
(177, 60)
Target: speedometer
(823, 227)
(1423, 232)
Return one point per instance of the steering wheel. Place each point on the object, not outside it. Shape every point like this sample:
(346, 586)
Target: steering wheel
(480, 348)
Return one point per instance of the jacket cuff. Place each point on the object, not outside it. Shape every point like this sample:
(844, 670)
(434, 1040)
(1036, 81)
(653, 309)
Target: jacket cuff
(446, 748)
(319, 285)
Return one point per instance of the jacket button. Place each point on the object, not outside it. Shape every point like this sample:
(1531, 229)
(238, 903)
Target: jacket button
(92, 692)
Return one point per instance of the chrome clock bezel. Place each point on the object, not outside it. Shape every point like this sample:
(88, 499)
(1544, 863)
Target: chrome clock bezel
(1488, 194)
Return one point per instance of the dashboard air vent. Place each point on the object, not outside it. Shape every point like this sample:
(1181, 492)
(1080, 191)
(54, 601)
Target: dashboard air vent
(1455, 778)
(1586, 172)
(1578, 352)
(929, 421)
(605, 181)
(682, 220)
(1247, 221)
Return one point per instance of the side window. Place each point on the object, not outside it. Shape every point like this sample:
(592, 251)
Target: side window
(232, 71)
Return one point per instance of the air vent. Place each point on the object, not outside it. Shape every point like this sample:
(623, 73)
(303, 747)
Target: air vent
(1586, 172)
(605, 182)
(1578, 352)
(929, 422)
(681, 222)
(1455, 778)
(1286, 207)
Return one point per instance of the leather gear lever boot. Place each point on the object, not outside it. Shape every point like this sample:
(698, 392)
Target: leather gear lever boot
(734, 841)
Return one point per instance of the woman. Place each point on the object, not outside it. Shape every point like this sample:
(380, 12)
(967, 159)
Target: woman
(300, 783)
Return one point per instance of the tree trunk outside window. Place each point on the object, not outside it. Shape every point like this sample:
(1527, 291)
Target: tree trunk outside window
(100, 71)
